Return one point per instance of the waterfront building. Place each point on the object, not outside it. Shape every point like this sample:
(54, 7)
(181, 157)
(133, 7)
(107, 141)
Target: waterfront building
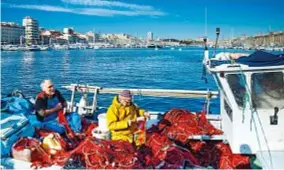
(170, 42)
(90, 36)
(31, 30)
(11, 33)
(270, 39)
(68, 35)
(69, 31)
(199, 39)
(50, 36)
(118, 38)
(70, 38)
(61, 40)
(223, 43)
(150, 36)
(80, 38)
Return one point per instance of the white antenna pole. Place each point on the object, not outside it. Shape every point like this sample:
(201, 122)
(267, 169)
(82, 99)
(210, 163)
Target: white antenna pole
(206, 21)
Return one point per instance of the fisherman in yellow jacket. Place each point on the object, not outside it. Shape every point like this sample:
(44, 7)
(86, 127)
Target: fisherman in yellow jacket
(122, 116)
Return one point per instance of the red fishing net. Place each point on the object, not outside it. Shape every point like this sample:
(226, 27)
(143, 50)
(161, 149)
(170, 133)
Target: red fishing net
(218, 155)
(160, 152)
(167, 146)
(179, 124)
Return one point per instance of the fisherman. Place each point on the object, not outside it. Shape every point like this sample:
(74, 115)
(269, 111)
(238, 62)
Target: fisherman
(122, 117)
(47, 105)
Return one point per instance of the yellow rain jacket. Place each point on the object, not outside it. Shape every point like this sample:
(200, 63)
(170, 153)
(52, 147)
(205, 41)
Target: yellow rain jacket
(117, 120)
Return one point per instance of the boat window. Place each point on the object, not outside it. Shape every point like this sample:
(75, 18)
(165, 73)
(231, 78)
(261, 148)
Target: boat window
(268, 90)
(228, 110)
(237, 85)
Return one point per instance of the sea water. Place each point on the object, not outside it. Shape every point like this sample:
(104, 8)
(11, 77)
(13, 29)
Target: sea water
(111, 68)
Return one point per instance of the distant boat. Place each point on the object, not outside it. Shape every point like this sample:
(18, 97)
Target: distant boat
(33, 48)
(96, 47)
(60, 47)
(23, 48)
(154, 46)
(10, 48)
(44, 48)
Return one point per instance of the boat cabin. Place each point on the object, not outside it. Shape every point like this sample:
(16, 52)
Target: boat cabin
(252, 104)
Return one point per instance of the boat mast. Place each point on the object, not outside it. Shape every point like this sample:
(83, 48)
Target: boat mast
(205, 22)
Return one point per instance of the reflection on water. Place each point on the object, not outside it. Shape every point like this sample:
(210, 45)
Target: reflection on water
(28, 58)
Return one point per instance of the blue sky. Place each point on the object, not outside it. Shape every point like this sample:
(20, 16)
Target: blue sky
(165, 18)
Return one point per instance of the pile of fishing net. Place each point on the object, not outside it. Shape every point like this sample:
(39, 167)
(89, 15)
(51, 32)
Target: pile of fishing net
(159, 152)
(91, 153)
(167, 146)
(179, 124)
(218, 155)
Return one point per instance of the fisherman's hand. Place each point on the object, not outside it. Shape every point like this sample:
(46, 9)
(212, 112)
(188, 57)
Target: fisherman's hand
(131, 122)
(141, 118)
(147, 115)
(58, 107)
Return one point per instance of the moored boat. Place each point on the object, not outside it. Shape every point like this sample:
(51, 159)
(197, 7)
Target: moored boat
(154, 46)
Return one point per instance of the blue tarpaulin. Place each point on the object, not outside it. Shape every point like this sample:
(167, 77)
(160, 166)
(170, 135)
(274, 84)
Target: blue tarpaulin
(256, 59)
(262, 58)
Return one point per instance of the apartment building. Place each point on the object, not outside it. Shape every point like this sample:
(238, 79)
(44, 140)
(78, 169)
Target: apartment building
(31, 30)
(12, 33)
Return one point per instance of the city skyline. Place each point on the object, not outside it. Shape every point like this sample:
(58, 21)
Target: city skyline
(181, 19)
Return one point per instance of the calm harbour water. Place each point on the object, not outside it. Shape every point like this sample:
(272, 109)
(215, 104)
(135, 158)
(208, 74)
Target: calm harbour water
(117, 68)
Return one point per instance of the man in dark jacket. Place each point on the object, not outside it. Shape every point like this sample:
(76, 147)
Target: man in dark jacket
(48, 102)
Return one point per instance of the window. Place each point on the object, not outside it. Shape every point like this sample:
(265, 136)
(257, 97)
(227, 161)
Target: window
(228, 110)
(268, 90)
(237, 84)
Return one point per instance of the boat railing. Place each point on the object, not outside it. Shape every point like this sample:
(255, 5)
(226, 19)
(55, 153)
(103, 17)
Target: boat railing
(81, 88)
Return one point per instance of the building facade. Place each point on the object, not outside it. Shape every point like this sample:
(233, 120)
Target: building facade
(68, 31)
(11, 33)
(150, 36)
(90, 36)
(31, 30)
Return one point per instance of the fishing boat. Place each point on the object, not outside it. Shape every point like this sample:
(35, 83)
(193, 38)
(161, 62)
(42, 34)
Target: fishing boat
(251, 93)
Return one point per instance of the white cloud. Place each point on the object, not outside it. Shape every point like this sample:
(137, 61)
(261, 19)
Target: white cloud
(109, 12)
(108, 4)
(42, 8)
(90, 11)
